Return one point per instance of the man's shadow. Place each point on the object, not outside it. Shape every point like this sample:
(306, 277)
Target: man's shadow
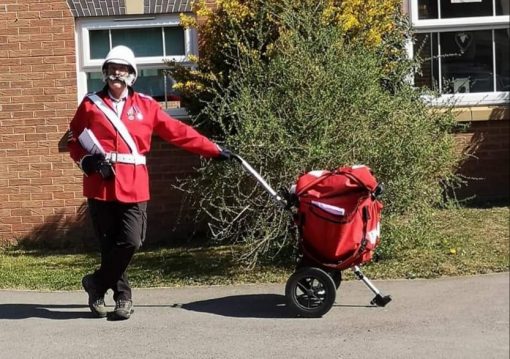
(46, 311)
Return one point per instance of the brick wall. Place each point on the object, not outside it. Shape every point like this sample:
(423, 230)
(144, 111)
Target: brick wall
(487, 170)
(38, 184)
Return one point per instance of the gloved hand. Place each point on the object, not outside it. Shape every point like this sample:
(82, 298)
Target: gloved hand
(106, 169)
(225, 154)
(90, 163)
(97, 164)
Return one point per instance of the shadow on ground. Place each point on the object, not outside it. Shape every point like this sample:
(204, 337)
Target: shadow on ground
(271, 306)
(243, 306)
(51, 311)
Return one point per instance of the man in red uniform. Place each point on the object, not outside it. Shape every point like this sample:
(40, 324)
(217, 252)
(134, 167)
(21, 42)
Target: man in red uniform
(109, 136)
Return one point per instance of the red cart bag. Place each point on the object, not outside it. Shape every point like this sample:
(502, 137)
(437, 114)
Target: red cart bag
(338, 216)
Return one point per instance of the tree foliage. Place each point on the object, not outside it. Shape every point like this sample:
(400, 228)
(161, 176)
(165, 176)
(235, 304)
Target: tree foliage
(314, 98)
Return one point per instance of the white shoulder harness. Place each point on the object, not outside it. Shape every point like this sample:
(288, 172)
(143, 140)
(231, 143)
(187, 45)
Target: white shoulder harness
(133, 158)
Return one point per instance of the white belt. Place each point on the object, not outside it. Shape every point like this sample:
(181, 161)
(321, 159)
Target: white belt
(128, 158)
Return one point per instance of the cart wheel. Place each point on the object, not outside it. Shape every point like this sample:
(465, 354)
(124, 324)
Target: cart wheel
(336, 275)
(310, 292)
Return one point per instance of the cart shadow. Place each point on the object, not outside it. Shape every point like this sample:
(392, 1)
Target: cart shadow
(243, 306)
(271, 306)
(355, 306)
(46, 311)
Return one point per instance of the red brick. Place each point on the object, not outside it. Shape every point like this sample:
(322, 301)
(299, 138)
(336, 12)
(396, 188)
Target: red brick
(13, 107)
(24, 129)
(16, 7)
(53, 203)
(53, 30)
(38, 6)
(40, 166)
(19, 23)
(44, 114)
(21, 84)
(63, 195)
(40, 181)
(74, 202)
(32, 219)
(62, 22)
(30, 30)
(10, 31)
(32, 61)
(65, 51)
(22, 228)
(10, 220)
(6, 231)
(36, 137)
(11, 45)
(33, 106)
(52, 14)
(60, 6)
(19, 38)
(6, 130)
(37, 151)
(19, 182)
(46, 98)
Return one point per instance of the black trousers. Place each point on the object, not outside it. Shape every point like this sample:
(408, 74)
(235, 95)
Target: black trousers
(120, 229)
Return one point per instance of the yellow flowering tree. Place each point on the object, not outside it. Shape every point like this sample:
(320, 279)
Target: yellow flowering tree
(231, 28)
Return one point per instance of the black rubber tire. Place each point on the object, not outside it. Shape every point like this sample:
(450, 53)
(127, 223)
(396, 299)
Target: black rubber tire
(310, 292)
(335, 274)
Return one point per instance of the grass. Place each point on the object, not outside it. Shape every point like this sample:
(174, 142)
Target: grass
(465, 241)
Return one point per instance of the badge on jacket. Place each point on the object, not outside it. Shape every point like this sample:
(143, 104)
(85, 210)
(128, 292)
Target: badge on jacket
(134, 113)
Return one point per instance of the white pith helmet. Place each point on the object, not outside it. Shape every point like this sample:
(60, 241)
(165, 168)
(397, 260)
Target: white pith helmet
(122, 55)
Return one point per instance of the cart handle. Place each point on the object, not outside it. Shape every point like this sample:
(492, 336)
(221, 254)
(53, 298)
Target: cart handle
(259, 179)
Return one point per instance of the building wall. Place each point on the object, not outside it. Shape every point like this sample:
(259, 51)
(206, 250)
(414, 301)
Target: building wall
(40, 188)
(38, 184)
(487, 140)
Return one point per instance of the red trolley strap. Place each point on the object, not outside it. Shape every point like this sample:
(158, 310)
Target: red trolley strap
(355, 178)
(313, 183)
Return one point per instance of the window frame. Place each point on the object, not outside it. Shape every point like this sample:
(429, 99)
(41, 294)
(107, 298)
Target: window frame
(85, 64)
(462, 24)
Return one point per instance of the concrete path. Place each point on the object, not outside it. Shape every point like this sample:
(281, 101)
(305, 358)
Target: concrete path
(466, 317)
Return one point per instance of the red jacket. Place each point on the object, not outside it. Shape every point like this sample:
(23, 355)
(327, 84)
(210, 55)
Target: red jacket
(142, 116)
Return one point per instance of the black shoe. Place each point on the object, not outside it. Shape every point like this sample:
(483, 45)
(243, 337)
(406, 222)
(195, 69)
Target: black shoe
(123, 310)
(96, 300)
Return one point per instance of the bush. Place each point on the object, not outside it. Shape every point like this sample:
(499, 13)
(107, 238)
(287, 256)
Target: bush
(320, 102)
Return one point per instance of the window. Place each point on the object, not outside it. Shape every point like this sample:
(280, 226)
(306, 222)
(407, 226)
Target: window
(464, 45)
(151, 39)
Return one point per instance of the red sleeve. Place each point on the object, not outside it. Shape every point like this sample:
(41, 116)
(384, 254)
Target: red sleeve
(183, 135)
(77, 125)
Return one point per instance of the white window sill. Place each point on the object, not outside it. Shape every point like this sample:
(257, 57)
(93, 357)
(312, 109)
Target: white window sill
(470, 99)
